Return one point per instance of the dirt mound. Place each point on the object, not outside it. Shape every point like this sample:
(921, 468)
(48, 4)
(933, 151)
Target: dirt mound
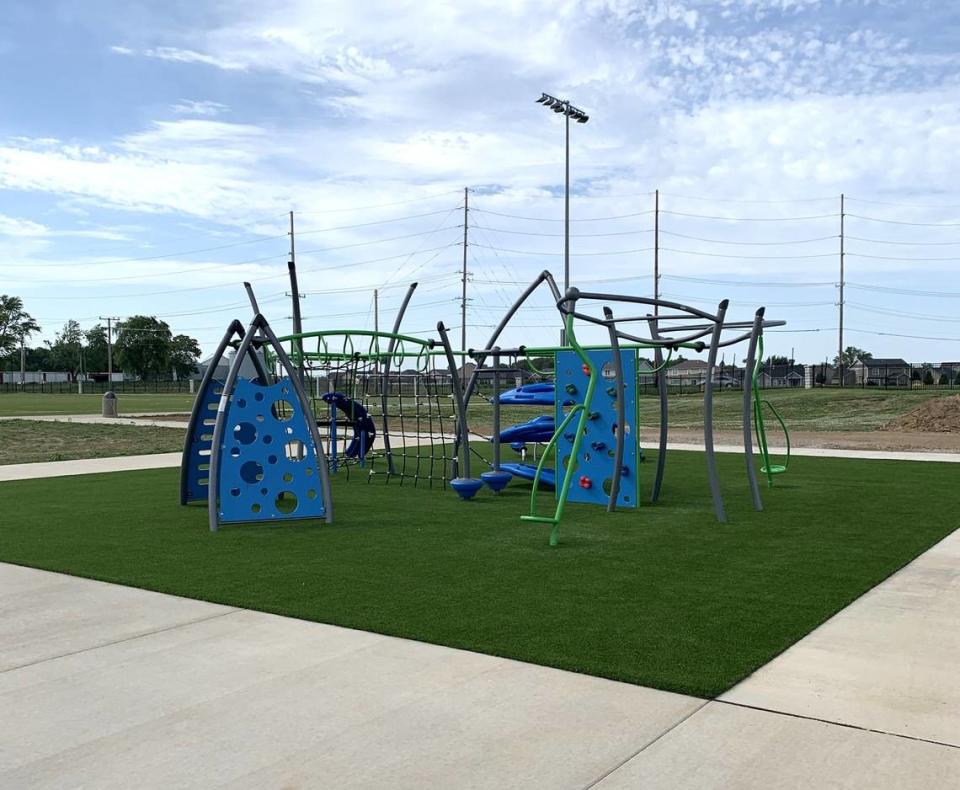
(938, 415)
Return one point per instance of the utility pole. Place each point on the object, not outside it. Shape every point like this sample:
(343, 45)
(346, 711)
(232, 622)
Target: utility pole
(109, 319)
(463, 285)
(23, 361)
(376, 331)
(840, 336)
(656, 249)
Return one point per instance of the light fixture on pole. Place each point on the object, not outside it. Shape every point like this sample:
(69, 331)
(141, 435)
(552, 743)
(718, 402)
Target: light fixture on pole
(564, 106)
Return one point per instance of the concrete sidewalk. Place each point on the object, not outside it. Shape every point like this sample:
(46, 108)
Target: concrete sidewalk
(109, 686)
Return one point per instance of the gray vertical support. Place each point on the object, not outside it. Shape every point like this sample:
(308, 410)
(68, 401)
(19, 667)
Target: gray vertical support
(708, 415)
(748, 410)
(620, 385)
(664, 411)
(295, 296)
(385, 383)
(496, 408)
(234, 330)
(455, 388)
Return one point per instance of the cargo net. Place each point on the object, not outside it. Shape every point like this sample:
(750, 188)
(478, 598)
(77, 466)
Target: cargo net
(392, 421)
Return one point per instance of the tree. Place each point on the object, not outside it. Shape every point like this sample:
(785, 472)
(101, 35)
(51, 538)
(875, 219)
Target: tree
(850, 356)
(96, 352)
(184, 355)
(143, 346)
(16, 324)
(944, 378)
(66, 350)
(775, 359)
(928, 377)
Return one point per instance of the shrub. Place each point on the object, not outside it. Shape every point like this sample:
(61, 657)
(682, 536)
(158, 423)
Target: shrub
(944, 378)
(928, 377)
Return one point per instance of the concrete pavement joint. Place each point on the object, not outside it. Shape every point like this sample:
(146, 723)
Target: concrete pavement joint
(836, 723)
(121, 641)
(648, 744)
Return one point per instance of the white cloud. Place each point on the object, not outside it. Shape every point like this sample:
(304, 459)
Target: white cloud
(202, 108)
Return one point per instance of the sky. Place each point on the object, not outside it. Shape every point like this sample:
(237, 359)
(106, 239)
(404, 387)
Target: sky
(150, 154)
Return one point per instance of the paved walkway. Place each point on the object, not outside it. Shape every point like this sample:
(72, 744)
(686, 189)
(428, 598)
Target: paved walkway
(111, 686)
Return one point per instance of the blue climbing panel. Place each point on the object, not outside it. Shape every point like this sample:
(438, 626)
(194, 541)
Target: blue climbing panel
(268, 466)
(201, 440)
(594, 471)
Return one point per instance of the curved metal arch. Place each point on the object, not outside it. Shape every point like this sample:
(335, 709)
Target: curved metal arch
(260, 323)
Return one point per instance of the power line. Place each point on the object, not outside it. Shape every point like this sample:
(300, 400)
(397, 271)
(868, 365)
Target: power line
(906, 243)
(750, 219)
(380, 205)
(902, 314)
(749, 257)
(749, 243)
(897, 257)
(904, 222)
(554, 219)
(572, 235)
(747, 282)
(581, 254)
(904, 291)
(705, 199)
(903, 205)
(376, 222)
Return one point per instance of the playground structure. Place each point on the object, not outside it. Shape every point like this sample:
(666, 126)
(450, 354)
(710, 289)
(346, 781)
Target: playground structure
(397, 407)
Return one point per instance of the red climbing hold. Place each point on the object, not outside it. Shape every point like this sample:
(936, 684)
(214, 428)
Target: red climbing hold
(586, 369)
(586, 482)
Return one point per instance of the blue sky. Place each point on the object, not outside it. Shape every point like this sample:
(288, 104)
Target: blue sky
(150, 152)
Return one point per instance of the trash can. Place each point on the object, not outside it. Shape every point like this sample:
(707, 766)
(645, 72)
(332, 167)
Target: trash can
(110, 404)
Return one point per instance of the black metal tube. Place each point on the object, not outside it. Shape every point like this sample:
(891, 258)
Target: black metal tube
(708, 418)
(385, 383)
(620, 385)
(458, 401)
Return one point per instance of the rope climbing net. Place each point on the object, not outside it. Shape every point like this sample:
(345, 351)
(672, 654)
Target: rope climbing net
(381, 403)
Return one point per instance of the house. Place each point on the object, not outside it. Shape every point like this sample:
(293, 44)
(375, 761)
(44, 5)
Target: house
(884, 372)
(773, 376)
(690, 372)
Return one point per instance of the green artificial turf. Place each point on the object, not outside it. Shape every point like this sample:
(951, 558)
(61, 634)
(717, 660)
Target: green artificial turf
(664, 596)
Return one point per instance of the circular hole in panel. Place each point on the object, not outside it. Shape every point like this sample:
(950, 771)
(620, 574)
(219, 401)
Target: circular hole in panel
(235, 491)
(255, 508)
(245, 432)
(286, 502)
(241, 403)
(267, 439)
(282, 410)
(309, 471)
(287, 477)
(311, 494)
(235, 452)
(260, 418)
(264, 491)
(272, 459)
(258, 396)
(251, 472)
(626, 498)
(607, 486)
(295, 450)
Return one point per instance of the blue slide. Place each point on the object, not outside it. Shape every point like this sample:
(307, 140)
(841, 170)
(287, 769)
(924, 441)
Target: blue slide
(530, 395)
(539, 429)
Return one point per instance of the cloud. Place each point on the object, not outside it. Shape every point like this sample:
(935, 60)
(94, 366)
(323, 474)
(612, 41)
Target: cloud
(203, 108)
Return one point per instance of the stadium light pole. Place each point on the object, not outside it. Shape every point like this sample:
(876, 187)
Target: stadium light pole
(569, 111)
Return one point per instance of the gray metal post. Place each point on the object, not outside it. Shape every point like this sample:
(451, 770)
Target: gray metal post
(620, 385)
(457, 392)
(662, 392)
(748, 410)
(496, 409)
(708, 414)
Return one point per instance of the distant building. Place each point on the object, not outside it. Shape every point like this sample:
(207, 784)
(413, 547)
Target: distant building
(883, 372)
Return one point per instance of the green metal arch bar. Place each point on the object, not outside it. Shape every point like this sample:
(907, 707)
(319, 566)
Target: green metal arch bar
(583, 409)
(767, 468)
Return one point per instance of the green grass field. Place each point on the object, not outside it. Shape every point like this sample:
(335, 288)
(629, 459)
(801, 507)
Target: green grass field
(26, 441)
(32, 405)
(663, 596)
